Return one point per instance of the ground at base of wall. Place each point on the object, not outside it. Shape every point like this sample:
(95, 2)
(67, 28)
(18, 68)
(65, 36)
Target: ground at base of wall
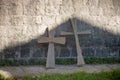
(86, 72)
(67, 61)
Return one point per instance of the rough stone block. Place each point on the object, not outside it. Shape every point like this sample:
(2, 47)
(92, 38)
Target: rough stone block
(38, 20)
(54, 2)
(114, 52)
(82, 25)
(9, 53)
(36, 61)
(32, 20)
(52, 10)
(40, 9)
(5, 20)
(116, 4)
(14, 7)
(82, 11)
(67, 8)
(40, 6)
(48, 20)
(57, 50)
(34, 7)
(118, 31)
(59, 20)
(65, 26)
(70, 41)
(88, 52)
(1, 55)
(97, 11)
(45, 51)
(96, 42)
(86, 41)
(74, 53)
(91, 3)
(17, 20)
(64, 53)
(21, 61)
(32, 32)
(25, 52)
(102, 52)
(29, 7)
(111, 42)
(29, 44)
(107, 6)
(29, 20)
(3, 10)
(39, 53)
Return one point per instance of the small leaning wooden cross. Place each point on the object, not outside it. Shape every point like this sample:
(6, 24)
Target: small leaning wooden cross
(51, 40)
(80, 60)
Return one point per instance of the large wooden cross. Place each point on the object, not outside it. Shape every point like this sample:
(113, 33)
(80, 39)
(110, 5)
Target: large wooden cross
(51, 40)
(80, 59)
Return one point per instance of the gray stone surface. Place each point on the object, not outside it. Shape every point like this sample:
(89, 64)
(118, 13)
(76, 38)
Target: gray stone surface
(88, 52)
(64, 53)
(25, 52)
(38, 53)
(73, 52)
(36, 70)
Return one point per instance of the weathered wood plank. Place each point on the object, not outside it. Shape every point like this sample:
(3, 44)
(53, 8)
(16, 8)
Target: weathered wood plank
(79, 33)
(80, 60)
(51, 54)
(58, 40)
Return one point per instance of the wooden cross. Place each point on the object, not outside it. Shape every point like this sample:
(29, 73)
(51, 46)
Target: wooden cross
(80, 60)
(51, 40)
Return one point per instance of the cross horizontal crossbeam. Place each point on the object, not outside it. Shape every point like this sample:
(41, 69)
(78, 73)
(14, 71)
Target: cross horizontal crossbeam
(58, 40)
(79, 33)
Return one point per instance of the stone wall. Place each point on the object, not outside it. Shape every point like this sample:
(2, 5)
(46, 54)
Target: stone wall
(22, 22)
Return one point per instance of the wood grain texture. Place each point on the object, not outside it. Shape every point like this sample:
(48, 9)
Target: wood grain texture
(58, 40)
(78, 33)
(51, 54)
(80, 59)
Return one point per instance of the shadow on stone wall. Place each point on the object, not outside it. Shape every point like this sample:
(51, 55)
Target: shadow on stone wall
(100, 44)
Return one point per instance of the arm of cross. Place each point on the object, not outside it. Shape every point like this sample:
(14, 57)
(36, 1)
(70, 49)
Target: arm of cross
(58, 40)
(79, 33)
(50, 63)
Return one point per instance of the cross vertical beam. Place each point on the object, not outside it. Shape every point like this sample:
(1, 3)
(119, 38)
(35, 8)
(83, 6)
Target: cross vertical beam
(80, 60)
